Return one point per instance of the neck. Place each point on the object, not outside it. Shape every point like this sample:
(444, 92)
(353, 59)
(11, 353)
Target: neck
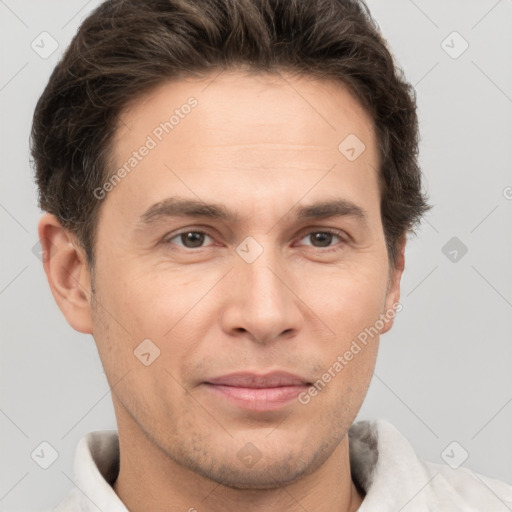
(149, 480)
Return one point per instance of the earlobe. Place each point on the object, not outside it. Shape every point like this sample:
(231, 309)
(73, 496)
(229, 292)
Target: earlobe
(393, 293)
(67, 272)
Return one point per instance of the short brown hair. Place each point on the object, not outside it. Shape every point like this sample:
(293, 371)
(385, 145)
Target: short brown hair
(126, 47)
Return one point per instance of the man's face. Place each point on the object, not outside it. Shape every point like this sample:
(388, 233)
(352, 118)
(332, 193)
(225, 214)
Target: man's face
(264, 290)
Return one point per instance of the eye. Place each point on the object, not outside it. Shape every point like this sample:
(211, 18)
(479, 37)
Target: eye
(195, 239)
(189, 239)
(323, 238)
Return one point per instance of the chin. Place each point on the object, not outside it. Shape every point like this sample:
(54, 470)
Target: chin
(265, 478)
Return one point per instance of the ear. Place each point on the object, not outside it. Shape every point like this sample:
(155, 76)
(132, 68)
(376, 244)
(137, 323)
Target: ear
(67, 272)
(393, 292)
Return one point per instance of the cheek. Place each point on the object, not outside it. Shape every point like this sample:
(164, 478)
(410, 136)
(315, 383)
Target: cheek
(347, 299)
(170, 308)
(148, 300)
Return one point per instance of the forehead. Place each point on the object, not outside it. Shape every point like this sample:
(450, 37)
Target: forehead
(237, 110)
(234, 130)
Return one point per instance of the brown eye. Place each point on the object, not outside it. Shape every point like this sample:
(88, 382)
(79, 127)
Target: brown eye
(189, 239)
(322, 239)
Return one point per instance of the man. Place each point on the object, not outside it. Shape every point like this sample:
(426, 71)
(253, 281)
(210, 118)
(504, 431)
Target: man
(229, 187)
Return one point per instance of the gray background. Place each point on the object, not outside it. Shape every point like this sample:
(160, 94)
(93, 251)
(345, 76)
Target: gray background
(443, 372)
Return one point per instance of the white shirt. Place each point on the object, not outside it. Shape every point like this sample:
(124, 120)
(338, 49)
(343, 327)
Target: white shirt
(382, 462)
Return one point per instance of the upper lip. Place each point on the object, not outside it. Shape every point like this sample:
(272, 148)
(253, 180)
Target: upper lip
(255, 380)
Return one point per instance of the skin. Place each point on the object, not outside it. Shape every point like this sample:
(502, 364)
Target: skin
(260, 145)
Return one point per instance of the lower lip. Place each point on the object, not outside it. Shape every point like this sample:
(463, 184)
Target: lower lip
(258, 399)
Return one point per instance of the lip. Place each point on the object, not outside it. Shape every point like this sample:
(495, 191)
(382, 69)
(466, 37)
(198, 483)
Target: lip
(256, 392)
(254, 380)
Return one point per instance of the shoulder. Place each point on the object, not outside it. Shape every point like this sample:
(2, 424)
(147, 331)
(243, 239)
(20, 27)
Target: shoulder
(385, 465)
(479, 491)
(96, 466)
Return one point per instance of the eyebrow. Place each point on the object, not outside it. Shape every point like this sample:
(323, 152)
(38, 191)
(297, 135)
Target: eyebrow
(181, 207)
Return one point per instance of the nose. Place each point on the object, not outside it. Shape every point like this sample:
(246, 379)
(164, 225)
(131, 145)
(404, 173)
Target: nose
(262, 302)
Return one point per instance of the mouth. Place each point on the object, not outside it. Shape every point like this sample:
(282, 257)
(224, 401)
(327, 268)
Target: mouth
(256, 392)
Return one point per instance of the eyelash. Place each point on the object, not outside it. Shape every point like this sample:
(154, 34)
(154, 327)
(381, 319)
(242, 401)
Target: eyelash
(331, 231)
